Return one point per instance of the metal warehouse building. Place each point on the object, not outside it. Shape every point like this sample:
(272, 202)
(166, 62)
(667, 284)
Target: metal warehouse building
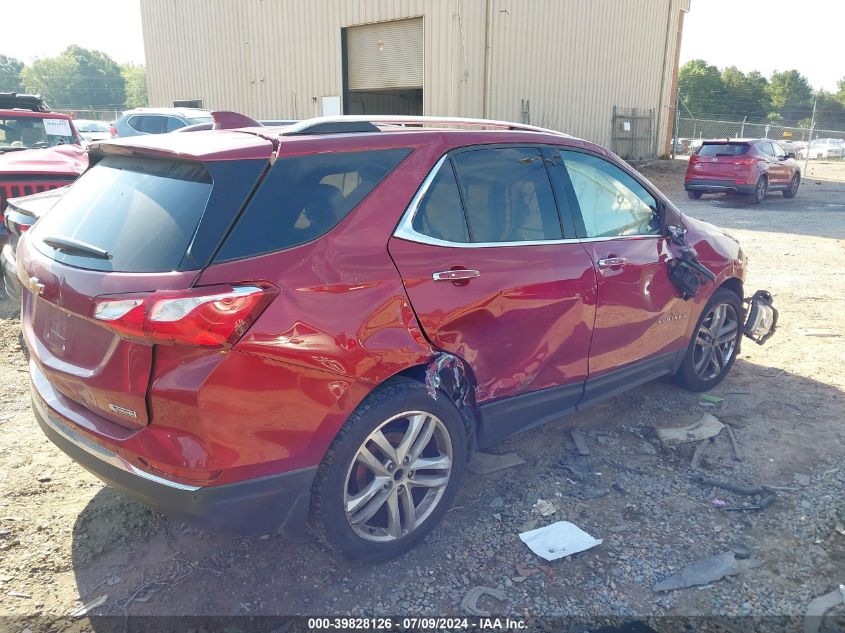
(599, 69)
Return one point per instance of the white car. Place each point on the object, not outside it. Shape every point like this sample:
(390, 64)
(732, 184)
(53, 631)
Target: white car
(93, 130)
(823, 148)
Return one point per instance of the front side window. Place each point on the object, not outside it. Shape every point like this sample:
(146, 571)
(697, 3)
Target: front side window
(174, 123)
(766, 148)
(440, 214)
(612, 203)
(303, 197)
(779, 153)
(507, 195)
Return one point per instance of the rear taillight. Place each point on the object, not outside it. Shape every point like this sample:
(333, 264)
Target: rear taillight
(214, 316)
(747, 161)
(113, 131)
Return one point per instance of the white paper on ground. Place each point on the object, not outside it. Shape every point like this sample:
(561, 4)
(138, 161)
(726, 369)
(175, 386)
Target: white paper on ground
(558, 540)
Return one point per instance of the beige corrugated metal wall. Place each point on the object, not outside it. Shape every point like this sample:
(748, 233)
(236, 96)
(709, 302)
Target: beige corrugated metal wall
(573, 59)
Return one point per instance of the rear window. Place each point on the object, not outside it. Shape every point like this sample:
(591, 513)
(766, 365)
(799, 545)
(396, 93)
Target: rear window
(723, 149)
(141, 211)
(303, 197)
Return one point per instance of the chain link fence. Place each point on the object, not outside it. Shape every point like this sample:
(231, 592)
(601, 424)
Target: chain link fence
(692, 131)
(89, 113)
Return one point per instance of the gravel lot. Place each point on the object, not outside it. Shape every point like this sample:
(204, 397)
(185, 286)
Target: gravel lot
(66, 540)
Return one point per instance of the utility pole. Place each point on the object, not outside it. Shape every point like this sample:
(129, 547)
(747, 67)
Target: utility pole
(742, 134)
(810, 140)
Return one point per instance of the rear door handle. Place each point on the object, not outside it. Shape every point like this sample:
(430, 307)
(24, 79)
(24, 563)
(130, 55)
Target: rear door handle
(612, 262)
(455, 275)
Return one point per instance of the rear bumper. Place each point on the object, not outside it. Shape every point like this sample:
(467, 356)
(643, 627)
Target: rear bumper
(10, 273)
(707, 185)
(254, 506)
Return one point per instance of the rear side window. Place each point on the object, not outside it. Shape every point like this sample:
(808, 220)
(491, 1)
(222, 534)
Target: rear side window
(141, 211)
(174, 124)
(507, 195)
(723, 149)
(303, 197)
(440, 215)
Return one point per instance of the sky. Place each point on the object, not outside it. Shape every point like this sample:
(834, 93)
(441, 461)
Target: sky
(764, 35)
(768, 35)
(110, 26)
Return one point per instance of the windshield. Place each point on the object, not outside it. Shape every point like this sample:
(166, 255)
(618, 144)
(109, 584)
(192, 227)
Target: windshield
(91, 126)
(28, 132)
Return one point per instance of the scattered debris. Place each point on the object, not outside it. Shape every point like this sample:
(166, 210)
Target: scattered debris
(719, 503)
(711, 399)
(821, 332)
(528, 525)
(578, 465)
(706, 571)
(525, 571)
(705, 427)
(646, 448)
(470, 601)
(545, 508)
(580, 442)
(497, 503)
(486, 463)
(558, 540)
(586, 492)
(741, 550)
(91, 605)
(801, 479)
(699, 451)
(821, 605)
(18, 594)
(840, 528)
(46, 476)
(768, 495)
(734, 442)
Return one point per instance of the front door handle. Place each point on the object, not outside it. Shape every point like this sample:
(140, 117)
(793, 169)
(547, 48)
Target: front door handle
(455, 275)
(612, 262)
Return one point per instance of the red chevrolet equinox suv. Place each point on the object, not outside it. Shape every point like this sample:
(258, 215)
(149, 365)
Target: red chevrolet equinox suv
(252, 327)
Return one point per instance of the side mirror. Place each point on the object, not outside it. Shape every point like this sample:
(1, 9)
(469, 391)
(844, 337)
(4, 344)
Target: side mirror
(790, 155)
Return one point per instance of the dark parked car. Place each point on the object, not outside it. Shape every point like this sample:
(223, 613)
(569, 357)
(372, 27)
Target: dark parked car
(245, 327)
(747, 166)
(158, 120)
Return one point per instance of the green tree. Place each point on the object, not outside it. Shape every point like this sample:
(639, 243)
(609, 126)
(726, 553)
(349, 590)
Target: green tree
(10, 74)
(135, 77)
(791, 94)
(78, 78)
(830, 112)
(744, 95)
(840, 93)
(701, 88)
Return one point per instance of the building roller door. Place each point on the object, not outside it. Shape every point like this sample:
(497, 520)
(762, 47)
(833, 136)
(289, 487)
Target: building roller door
(385, 67)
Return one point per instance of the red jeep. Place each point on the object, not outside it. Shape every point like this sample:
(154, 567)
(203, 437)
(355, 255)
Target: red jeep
(39, 150)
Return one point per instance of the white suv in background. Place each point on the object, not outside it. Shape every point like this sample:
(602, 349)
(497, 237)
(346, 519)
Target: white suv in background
(823, 148)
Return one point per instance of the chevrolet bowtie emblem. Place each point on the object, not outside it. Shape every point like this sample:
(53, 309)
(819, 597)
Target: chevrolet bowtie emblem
(35, 285)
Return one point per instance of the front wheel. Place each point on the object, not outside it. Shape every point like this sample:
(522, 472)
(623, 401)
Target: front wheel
(715, 343)
(391, 473)
(793, 187)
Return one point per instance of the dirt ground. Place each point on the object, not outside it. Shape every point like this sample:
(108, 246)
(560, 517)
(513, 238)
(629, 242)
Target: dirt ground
(66, 540)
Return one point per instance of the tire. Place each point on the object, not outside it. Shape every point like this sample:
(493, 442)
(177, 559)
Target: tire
(699, 370)
(694, 195)
(759, 190)
(793, 187)
(361, 494)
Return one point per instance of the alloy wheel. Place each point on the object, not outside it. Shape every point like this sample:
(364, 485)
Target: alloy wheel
(760, 191)
(715, 342)
(398, 476)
